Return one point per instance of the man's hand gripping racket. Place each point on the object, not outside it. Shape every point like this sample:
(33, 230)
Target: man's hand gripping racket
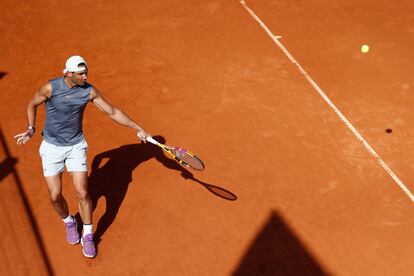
(182, 156)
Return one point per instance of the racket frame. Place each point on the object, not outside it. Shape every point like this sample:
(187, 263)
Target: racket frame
(170, 150)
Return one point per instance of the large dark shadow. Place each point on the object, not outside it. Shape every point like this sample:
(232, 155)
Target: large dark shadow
(7, 167)
(2, 74)
(111, 175)
(277, 251)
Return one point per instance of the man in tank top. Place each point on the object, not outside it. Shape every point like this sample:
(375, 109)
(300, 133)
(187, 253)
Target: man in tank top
(64, 143)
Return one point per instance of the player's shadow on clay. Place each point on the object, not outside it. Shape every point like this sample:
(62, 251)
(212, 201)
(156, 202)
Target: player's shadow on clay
(111, 175)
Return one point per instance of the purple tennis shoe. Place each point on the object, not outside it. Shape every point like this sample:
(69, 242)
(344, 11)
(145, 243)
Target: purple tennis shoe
(88, 246)
(72, 235)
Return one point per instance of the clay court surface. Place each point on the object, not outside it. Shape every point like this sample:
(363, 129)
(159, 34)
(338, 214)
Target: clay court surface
(311, 199)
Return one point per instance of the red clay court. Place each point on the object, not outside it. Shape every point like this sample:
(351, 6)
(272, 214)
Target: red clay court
(322, 188)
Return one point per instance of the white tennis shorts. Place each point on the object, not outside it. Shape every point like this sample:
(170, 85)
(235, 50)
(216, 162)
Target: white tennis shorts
(54, 158)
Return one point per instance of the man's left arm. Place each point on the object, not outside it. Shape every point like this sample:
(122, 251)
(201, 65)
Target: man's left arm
(116, 114)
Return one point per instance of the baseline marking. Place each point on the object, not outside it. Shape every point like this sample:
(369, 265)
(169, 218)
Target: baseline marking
(329, 102)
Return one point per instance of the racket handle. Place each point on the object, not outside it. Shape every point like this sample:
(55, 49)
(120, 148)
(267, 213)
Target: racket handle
(152, 141)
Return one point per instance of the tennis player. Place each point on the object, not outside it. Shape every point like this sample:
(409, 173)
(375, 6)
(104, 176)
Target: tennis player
(64, 142)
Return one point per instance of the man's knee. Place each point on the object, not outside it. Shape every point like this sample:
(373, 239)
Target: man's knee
(82, 194)
(55, 198)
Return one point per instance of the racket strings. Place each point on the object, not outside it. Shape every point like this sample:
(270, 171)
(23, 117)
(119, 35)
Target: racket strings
(187, 158)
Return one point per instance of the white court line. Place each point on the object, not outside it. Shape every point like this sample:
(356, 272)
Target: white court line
(329, 102)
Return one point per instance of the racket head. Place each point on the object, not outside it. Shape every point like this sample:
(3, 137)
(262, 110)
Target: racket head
(182, 156)
(187, 159)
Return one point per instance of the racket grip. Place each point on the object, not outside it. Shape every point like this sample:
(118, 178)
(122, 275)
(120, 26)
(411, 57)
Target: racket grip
(152, 140)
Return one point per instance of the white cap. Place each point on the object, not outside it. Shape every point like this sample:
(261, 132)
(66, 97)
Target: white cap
(72, 64)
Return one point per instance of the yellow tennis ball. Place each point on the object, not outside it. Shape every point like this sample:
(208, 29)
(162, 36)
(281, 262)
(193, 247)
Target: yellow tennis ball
(364, 49)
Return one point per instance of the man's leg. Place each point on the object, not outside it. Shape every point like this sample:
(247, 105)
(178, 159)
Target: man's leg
(54, 185)
(80, 183)
(53, 158)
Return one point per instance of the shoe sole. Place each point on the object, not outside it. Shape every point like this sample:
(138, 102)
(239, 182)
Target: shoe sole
(84, 254)
(73, 243)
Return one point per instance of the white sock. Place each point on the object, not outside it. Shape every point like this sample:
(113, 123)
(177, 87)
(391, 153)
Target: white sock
(69, 218)
(87, 229)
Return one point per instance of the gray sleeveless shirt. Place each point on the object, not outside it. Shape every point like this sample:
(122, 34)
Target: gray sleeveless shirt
(64, 113)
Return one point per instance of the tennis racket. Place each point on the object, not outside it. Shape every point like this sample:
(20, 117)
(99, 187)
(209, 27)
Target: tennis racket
(182, 156)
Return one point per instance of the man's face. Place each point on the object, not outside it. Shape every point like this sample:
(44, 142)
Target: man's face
(79, 78)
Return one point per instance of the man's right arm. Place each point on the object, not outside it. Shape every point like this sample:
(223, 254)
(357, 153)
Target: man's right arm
(38, 98)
